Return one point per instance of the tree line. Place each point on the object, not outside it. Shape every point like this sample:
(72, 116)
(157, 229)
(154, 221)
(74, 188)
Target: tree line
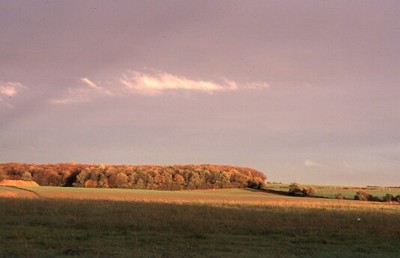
(155, 177)
(364, 196)
(296, 190)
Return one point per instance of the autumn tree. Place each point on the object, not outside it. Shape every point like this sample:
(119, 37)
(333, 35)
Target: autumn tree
(309, 191)
(151, 177)
(26, 176)
(362, 196)
(118, 180)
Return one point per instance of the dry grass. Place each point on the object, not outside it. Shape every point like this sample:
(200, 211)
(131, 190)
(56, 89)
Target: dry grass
(219, 196)
(9, 182)
(220, 223)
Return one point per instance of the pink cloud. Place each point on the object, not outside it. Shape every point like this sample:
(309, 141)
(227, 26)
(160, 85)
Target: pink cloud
(158, 82)
(150, 83)
(310, 163)
(10, 89)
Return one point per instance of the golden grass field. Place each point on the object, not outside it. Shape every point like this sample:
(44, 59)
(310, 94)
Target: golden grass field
(218, 196)
(82, 222)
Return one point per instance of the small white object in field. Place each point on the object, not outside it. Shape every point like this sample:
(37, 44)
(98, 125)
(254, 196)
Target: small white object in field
(358, 219)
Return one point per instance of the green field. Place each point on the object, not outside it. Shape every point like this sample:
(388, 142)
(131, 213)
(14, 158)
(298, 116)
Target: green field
(347, 192)
(79, 222)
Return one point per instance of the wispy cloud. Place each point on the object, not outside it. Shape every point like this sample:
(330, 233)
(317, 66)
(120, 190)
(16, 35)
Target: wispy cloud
(89, 83)
(150, 83)
(96, 87)
(82, 94)
(256, 85)
(73, 96)
(158, 82)
(9, 90)
(310, 163)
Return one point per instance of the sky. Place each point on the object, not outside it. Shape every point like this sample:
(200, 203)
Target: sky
(304, 91)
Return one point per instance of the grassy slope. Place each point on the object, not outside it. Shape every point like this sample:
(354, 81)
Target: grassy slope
(194, 223)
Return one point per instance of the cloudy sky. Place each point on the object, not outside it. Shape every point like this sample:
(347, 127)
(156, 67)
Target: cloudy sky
(305, 91)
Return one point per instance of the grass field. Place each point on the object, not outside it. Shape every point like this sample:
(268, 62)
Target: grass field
(347, 192)
(65, 222)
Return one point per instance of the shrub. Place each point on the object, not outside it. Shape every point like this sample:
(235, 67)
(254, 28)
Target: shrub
(295, 189)
(362, 196)
(375, 199)
(388, 198)
(254, 184)
(309, 191)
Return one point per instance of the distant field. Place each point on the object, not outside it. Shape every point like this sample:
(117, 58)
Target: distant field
(82, 222)
(348, 192)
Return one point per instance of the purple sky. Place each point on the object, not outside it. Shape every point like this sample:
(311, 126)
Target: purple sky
(305, 91)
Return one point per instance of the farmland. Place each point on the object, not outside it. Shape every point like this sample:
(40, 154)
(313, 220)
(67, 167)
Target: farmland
(348, 192)
(56, 221)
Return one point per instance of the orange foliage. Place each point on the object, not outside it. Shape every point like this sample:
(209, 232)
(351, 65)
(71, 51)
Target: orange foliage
(174, 177)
